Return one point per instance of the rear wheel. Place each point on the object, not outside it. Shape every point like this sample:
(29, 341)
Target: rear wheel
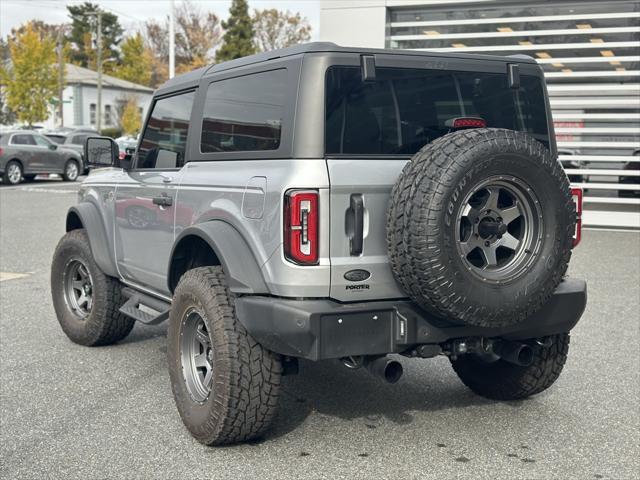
(12, 173)
(500, 380)
(225, 384)
(86, 300)
(71, 171)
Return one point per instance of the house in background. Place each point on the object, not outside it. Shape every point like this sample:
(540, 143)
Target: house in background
(80, 99)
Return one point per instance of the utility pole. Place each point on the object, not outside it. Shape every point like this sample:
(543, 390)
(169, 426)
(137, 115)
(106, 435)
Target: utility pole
(99, 67)
(60, 77)
(172, 42)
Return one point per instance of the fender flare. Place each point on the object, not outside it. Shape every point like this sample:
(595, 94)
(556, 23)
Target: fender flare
(90, 219)
(236, 258)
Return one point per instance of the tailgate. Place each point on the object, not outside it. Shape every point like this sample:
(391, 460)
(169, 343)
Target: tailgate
(370, 181)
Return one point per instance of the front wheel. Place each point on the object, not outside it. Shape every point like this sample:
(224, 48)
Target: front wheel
(498, 379)
(86, 300)
(71, 171)
(225, 384)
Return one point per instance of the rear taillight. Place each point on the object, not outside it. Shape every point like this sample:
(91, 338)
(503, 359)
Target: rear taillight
(467, 122)
(301, 226)
(1, 151)
(121, 155)
(576, 193)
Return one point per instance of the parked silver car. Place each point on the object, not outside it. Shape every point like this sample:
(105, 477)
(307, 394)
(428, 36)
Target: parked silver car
(25, 154)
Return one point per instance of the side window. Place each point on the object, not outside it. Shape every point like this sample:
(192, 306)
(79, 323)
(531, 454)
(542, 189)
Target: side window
(78, 139)
(42, 141)
(244, 113)
(165, 135)
(23, 140)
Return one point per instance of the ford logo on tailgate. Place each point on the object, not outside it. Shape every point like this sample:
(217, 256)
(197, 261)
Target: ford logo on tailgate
(357, 275)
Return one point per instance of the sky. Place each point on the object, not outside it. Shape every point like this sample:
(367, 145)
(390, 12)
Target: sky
(133, 13)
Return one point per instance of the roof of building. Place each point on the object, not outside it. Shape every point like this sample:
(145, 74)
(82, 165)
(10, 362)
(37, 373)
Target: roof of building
(83, 76)
(190, 78)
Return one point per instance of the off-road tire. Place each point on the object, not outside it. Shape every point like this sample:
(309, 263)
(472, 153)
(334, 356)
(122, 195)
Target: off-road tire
(421, 226)
(246, 377)
(105, 324)
(501, 380)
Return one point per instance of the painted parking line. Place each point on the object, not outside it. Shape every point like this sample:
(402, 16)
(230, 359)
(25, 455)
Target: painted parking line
(12, 276)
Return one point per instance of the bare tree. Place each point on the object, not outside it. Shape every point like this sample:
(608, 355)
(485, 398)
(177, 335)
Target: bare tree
(276, 29)
(197, 36)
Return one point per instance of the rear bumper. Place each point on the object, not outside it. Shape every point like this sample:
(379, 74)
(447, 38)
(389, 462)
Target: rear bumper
(323, 329)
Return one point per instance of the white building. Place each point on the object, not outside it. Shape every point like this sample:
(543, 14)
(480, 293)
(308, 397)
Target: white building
(80, 98)
(589, 50)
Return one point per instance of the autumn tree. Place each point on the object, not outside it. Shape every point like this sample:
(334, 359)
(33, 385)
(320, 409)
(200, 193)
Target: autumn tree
(197, 34)
(277, 29)
(238, 36)
(136, 63)
(30, 80)
(130, 121)
(84, 26)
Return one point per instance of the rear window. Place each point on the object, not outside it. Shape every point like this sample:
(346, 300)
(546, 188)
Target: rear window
(244, 113)
(404, 109)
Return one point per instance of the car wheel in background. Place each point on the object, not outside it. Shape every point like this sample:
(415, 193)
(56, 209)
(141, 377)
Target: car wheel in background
(71, 171)
(12, 173)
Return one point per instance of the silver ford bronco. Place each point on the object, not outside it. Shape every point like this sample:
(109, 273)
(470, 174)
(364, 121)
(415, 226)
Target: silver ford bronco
(321, 202)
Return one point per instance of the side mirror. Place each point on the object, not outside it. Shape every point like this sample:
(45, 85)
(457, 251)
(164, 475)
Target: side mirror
(101, 152)
(53, 147)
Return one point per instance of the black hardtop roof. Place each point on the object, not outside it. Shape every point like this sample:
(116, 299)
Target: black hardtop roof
(192, 78)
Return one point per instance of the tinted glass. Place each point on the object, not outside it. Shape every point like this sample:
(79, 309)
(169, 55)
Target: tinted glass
(56, 138)
(23, 140)
(78, 139)
(42, 141)
(404, 109)
(244, 114)
(165, 136)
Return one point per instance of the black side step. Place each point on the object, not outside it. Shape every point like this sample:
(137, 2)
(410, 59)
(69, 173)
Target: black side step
(144, 308)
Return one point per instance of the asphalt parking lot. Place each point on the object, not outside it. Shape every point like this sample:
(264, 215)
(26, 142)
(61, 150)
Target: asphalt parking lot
(73, 412)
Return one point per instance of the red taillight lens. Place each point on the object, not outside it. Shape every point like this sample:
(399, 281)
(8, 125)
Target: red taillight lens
(468, 122)
(301, 226)
(121, 155)
(576, 193)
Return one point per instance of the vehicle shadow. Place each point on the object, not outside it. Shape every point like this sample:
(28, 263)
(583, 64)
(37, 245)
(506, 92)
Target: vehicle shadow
(328, 388)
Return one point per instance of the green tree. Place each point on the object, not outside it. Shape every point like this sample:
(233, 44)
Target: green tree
(130, 121)
(238, 37)
(277, 29)
(84, 26)
(136, 63)
(31, 79)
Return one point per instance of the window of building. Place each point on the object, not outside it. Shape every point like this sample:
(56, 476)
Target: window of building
(244, 113)
(23, 139)
(404, 109)
(107, 114)
(165, 136)
(92, 114)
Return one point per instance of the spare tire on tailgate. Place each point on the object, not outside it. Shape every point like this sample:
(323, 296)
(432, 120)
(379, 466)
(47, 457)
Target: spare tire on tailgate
(480, 227)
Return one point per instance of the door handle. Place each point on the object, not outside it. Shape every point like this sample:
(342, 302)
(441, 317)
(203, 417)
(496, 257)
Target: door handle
(355, 222)
(163, 200)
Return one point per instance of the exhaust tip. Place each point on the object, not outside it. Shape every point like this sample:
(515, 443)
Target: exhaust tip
(525, 356)
(393, 371)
